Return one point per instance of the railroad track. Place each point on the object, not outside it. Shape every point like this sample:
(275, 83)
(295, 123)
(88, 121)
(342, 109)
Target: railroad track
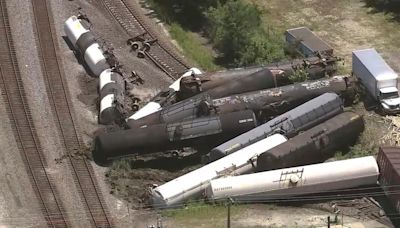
(128, 14)
(58, 93)
(12, 90)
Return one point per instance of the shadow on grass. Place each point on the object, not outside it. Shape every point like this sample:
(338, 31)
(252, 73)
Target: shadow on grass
(189, 17)
(391, 7)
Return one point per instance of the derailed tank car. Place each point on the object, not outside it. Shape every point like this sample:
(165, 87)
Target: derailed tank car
(259, 80)
(206, 131)
(191, 86)
(270, 102)
(85, 44)
(296, 181)
(112, 91)
(193, 184)
(163, 97)
(314, 145)
(388, 161)
(289, 124)
(112, 84)
(315, 67)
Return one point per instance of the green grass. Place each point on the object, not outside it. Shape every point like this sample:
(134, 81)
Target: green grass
(193, 47)
(202, 215)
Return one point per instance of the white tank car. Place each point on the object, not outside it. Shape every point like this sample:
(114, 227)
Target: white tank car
(289, 182)
(192, 185)
(105, 78)
(106, 102)
(95, 59)
(152, 106)
(74, 29)
(111, 88)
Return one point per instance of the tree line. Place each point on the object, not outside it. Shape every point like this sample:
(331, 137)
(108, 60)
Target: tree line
(234, 28)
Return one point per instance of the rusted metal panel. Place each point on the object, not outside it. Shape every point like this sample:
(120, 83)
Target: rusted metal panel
(389, 165)
(306, 42)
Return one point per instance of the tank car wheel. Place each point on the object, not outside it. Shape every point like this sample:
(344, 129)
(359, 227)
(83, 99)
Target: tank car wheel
(141, 54)
(175, 154)
(146, 46)
(135, 46)
(135, 107)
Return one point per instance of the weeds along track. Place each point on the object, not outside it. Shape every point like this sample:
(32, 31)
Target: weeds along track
(12, 91)
(129, 15)
(58, 93)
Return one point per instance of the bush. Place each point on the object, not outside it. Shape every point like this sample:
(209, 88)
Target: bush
(299, 75)
(262, 48)
(387, 6)
(193, 48)
(236, 30)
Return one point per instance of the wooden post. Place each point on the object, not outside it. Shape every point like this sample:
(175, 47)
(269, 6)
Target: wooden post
(329, 221)
(229, 214)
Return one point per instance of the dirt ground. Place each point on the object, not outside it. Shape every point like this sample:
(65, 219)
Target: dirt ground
(346, 25)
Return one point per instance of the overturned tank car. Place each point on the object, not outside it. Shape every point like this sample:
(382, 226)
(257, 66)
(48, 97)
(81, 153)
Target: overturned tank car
(267, 103)
(314, 145)
(289, 124)
(205, 131)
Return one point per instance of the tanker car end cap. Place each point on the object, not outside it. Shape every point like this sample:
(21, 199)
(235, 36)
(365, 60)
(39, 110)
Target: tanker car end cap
(99, 158)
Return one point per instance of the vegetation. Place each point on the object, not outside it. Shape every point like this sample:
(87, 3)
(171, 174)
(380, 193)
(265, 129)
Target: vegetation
(234, 28)
(193, 48)
(300, 75)
(387, 6)
(199, 213)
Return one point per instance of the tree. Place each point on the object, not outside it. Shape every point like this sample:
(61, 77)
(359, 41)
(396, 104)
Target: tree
(262, 48)
(231, 27)
(236, 30)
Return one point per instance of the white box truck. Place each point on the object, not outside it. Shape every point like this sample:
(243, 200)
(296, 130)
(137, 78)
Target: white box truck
(377, 78)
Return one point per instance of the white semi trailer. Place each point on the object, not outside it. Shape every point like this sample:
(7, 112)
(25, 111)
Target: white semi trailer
(377, 78)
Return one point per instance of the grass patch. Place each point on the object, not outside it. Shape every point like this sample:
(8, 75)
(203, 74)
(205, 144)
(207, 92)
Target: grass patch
(193, 47)
(201, 213)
